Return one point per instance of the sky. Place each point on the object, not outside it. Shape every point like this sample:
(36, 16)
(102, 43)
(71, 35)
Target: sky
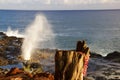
(59, 4)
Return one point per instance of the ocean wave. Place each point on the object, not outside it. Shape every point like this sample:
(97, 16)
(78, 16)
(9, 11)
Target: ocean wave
(15, 33)
(105, 46)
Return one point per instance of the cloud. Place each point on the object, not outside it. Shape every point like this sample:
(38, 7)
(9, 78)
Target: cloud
(76, 1)
(48, 2)
(57, 4)
(25, 1)
(70, 2)
(10, 1)
(73, 2)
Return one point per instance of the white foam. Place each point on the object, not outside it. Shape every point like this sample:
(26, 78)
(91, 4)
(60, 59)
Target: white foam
(15, 33)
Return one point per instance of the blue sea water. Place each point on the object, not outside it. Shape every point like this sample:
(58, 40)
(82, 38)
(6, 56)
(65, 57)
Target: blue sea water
(100, 29)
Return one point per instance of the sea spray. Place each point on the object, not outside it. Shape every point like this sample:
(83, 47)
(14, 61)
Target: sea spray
(38, 34)
(15, 33)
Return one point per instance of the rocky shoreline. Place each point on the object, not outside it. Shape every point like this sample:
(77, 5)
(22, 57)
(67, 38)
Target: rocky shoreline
(104, 68)
(99, 68)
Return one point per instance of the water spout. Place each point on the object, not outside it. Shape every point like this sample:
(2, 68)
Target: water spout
(38, 34)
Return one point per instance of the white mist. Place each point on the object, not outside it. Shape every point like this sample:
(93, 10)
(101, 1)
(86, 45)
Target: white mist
(38, 34)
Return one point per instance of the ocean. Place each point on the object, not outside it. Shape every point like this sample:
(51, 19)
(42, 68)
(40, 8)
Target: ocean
(99, 28)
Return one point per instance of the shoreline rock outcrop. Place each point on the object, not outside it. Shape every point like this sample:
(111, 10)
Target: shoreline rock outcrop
(114, 56)
(100, 67)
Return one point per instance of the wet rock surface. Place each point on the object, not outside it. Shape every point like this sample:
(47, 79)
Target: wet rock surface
(10, 47)
(105, 68)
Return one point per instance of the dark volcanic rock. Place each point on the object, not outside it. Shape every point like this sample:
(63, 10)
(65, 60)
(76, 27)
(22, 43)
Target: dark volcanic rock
(114, 56)
(95, 55)
(2, 34)
(3, 61)
(10, 48)
(101, 78)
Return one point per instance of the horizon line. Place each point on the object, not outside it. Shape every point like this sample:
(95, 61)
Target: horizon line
(61, 10)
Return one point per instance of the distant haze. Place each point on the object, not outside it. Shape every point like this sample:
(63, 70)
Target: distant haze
(59, 4)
